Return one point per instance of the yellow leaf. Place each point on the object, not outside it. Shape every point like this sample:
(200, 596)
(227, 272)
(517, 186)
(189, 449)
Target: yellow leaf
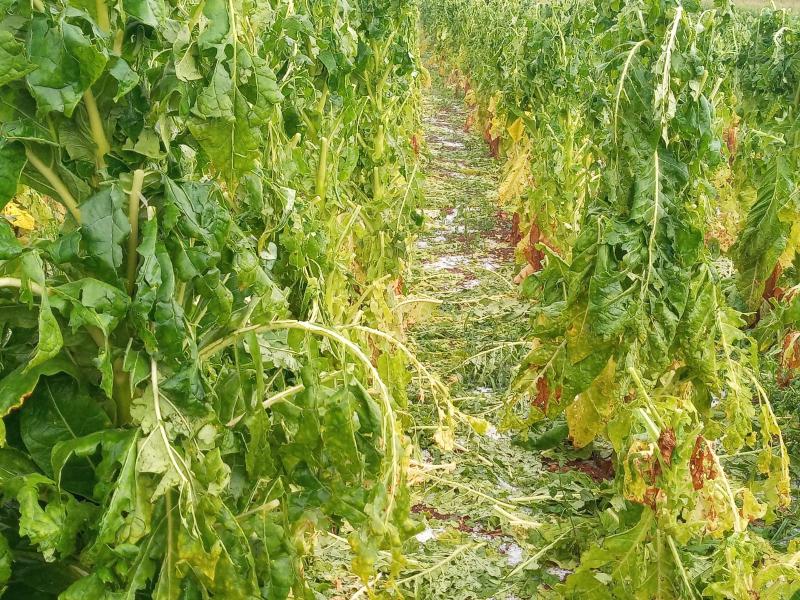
(517, 178)
(470, 99)
(792, 246)
(589, 412)
(497, 127)
(493, 103)
(479, 425)
(19, 218)
(752, 509)
(516, 129)
(445, 438)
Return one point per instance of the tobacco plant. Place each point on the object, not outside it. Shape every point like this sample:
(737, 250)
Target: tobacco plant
(182, 403)
(635, 339)
(767, 156)
(532, 100)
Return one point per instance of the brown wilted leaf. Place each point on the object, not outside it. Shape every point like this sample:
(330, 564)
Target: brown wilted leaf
(701, 463)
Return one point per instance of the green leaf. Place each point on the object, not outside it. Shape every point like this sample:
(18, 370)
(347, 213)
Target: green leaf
(105, 227)
(12, 161)
(766, 230)
(50, 339)
(89, 302)
(148, 282)
(264, 91)
(53, 527)
(6, 559)
(149, 12)
(232, 146)
(215, 101)
(18, 385)
(66, 61)
(91, 587)
(617, 563)
(9, 244)
(338, 427)
(127, 78)
(59, 411)
(127, 507)
(14, 463)
(115, 444)
(216, 11)
(13, 62)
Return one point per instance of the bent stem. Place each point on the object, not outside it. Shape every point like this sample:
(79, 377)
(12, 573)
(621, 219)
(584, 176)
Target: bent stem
(681, 567)
(388, 428)
(55, 181)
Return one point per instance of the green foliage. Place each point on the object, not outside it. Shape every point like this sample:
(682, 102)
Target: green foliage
(182, 405)
(635, 339)
(769, 153)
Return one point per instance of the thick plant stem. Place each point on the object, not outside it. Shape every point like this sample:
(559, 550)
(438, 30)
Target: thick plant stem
(322, 168)
(14, 282)
(54, 180)
(103, 22)
(96, 127)
(119, 38)
(679, 563)
(133, 220)
(122, 393)
(377, 171)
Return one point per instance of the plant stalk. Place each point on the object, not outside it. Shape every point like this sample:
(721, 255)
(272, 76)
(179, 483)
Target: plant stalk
(122, 393)
(103, 22)
(96, 127)
(322, 168)
(133, 220)
(54, 180)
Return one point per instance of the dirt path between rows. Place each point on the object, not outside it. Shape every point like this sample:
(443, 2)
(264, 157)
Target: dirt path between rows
(501, 521)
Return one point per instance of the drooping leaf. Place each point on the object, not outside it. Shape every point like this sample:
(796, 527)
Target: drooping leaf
(18, 385)
(50, 339)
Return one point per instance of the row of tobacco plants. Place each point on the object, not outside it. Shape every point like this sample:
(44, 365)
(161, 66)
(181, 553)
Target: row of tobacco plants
(652, 161)
(195, 376)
